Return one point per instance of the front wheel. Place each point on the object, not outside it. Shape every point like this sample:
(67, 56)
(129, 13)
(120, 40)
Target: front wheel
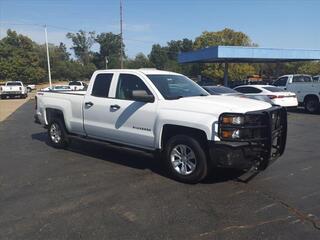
(185, 159)
(57, 134)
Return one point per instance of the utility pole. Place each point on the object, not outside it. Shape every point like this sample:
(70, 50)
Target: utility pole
(48, 58)
(121, 37)
(106, 62)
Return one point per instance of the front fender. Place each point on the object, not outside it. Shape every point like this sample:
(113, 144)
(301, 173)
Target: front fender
(205, 122)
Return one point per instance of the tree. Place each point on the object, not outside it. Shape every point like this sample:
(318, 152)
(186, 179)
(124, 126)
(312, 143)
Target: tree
(175, 47)
(140, 61)
(312, 68)
(158, 56)
(82, 43)
(110, 45)
(19, 59)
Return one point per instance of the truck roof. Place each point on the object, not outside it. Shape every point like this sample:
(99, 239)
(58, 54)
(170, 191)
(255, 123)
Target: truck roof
(146, 71)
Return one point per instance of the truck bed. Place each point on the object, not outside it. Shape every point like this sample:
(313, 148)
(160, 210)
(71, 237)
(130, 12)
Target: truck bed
(70, 103)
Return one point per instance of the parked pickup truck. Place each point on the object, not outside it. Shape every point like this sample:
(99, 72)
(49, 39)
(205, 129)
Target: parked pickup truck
(77, 85)
(306, 89)
(170, 115)
(13, 89)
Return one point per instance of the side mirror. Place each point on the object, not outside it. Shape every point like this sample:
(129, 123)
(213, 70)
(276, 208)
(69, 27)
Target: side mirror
(142, 96)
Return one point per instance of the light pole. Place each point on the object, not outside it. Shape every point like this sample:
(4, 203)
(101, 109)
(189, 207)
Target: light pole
(48, 57)
(121, 37)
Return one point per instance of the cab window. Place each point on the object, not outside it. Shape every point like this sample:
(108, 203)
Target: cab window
(281, 82)
(301, 78)
(128, 83)
(101, 85)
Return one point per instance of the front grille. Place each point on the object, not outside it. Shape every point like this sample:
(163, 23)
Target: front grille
(266, 129)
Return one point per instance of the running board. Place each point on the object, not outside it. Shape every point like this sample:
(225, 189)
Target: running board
(108, 143)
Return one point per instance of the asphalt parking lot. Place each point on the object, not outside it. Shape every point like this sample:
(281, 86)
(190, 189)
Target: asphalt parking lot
(98, 192)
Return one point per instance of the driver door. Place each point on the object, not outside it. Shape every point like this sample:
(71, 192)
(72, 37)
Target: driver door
(133, 121)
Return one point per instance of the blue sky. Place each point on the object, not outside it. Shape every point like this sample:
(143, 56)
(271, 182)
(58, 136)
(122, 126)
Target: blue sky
(269, 23)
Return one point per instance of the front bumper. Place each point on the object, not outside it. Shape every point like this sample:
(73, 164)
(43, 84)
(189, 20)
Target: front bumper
(11, 94)
(257, 152)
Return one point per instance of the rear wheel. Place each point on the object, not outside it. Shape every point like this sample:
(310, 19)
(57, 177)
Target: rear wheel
(311, 105)
(185, 159)
(57, 134)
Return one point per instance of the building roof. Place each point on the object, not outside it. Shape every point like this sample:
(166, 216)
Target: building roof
(238, 54)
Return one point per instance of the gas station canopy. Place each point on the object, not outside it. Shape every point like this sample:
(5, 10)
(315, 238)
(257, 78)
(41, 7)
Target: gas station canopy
(238, 54)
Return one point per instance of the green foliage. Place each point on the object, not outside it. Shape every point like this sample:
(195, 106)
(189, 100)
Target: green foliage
(312, 68)
(227, 37)
(140, 61)
(19, 59)
(158, 56)
(82, 43)
(110, 45)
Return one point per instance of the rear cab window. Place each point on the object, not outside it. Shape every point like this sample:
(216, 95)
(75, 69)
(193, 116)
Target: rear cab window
(74, 83)
(14, 84)
(101, 85)
(301, 79)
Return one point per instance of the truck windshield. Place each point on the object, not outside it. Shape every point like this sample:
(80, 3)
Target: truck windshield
(13, 84)
(176, 86)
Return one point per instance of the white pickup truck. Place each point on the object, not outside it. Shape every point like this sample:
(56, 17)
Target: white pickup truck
(77, 85)
(13, 89)
(306, 89)
(168, 114)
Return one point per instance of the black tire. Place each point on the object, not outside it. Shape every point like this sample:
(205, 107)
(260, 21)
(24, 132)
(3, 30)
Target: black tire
(58, 142)
(311, 105)
(200, 160)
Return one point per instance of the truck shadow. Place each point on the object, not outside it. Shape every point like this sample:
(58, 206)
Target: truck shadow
(132, 158)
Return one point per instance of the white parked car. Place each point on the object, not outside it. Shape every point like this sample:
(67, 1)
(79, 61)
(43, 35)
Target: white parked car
(77, 85)
(31, 87)
(277, 95)
(13, 89)
(170, 115)
(306, 89)
(57, 88)
(225, 91)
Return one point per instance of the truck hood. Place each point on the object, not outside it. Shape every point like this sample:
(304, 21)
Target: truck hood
(216, 104)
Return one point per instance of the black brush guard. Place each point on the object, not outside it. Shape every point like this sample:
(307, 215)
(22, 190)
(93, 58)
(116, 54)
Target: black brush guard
(264, 142)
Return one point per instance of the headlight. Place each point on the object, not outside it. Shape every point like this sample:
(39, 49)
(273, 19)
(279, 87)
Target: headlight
(232, 119)
(230, 126)
(230, 134)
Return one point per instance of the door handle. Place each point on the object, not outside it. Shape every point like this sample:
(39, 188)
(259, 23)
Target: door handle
(88, 104)
(115, 107)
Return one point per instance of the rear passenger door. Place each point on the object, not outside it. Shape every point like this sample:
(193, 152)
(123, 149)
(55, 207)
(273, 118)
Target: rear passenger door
(96, 113)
